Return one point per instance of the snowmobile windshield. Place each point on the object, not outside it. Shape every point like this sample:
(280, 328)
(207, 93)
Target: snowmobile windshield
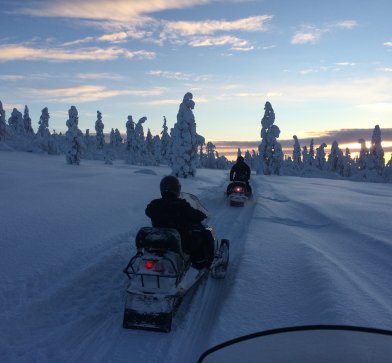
(194, 202)
(306, 344)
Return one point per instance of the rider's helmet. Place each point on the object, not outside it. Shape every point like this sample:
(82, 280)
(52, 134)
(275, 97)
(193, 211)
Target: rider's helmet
(170, 185)
(240, 159)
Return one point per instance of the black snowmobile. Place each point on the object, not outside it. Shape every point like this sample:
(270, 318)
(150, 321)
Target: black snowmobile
(238, 193)
(162, 274)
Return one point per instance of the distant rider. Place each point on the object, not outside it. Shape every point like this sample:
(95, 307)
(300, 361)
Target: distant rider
(240, 171)
(171, 211)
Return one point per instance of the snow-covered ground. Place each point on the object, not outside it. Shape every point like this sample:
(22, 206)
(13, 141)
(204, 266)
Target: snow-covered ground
(305, 251)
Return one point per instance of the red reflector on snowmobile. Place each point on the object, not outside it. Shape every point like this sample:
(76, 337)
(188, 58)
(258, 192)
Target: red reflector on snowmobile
(149, 264)
(238, 189)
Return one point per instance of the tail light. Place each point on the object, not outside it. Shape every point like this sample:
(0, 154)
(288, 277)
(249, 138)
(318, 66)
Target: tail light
(156, 266)
(149, 264)
(238, 189)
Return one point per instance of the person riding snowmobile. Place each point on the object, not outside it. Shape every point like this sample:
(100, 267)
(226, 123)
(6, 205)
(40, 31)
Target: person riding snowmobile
(171, 211)
(240, 171)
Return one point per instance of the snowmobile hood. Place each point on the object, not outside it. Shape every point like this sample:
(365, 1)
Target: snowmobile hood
(305, 344)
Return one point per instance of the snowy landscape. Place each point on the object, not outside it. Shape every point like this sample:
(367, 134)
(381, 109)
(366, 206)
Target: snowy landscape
(303, 251)
(99, 101)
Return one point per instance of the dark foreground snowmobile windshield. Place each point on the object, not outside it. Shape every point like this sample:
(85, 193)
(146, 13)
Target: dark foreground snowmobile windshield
(306, 344)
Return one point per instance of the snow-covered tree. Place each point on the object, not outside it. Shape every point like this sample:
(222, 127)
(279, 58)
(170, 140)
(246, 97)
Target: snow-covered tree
(305, 156)
(165, 142)
(277, 158)
(149, 142)
(184, 140)
(248, 158)
(99, 135)
(43, 128)
(363, 155)
(210, 160)
(117, 137)
(347, 163)
(112, 138)
(311, 152)
(296, 151)
(28, 129)
(320, 156)
(16, 123)
(387, 172)
(239, 152)
(131, 144)
(335, 158)
(3, 125)
(269, 134)
(74, 137)
(157, 152)
(201, 156)
(143, 158)
(376, 152)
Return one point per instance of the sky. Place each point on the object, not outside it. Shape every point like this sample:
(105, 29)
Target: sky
(323, 65)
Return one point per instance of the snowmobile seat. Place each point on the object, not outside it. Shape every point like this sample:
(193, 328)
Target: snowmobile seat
(159, 239)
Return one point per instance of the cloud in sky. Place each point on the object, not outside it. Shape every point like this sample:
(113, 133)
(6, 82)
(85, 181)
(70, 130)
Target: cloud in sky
(388, 44)
(125, 10)
(180, 76)
(11, 77)
(86, 93)
(305, 37)
(220, 41)
(188, 28)
(312, 34)
(12, 52)
(98, 76)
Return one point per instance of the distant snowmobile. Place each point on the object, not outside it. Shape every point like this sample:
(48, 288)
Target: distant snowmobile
(238, 193)
(161, 275)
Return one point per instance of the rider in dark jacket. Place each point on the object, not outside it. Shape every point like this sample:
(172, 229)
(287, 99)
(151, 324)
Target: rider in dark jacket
(240, 171)
(170, 211)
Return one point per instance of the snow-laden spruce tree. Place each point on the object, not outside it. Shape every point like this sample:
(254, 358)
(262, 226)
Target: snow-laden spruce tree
(140, 147)
(296, 152)
(347, 163)
(43, 124)
(16, 123)
(311, 152)
(28, 129)
(320, 156)
(277, 156)
(74, 137)
(201, 156)
(387, 172)
(376, 152)
(43, 134)
(157, 152)
(112, 138)
(210, 160)
(363, 155)
(165, 142)
(248, 158)
(305, 156)
(3, 124)
(335, 159)
(184, 140)
(269, 134)
(99, 135)
(131, 144)
(149, 142)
